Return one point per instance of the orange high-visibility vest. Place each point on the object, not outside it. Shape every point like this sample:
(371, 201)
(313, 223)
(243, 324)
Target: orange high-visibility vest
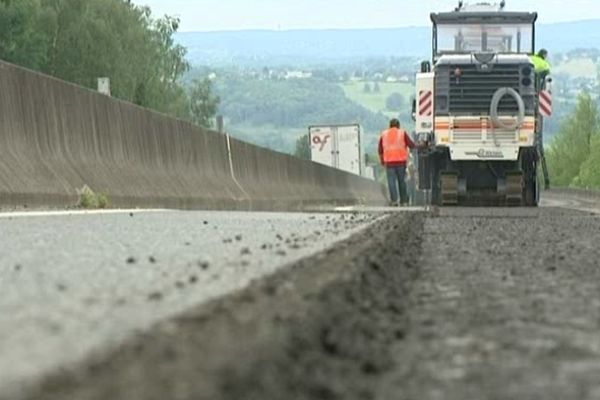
(394, 146)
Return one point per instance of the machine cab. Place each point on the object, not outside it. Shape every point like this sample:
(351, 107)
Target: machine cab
(483, 29)
(477, 50)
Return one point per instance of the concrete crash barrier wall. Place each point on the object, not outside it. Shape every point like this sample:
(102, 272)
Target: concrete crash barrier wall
(56, 138)
(274, 180)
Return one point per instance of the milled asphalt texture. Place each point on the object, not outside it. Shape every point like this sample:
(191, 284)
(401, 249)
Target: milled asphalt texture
(451, 304)
(75, 284)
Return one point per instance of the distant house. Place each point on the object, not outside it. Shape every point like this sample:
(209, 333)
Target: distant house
(298, 75)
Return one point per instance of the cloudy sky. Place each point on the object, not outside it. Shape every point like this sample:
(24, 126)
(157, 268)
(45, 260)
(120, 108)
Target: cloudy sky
(214, 15)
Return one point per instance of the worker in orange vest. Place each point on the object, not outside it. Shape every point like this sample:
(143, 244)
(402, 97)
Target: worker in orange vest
(394, 153)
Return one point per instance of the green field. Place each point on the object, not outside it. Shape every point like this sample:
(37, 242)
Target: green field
(376, 101)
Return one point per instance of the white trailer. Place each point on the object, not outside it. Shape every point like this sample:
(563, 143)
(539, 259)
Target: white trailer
(337, 146)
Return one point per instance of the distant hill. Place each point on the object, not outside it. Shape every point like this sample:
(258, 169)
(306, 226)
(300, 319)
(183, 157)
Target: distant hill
(563, 37)
(311, 45)
(318, 46)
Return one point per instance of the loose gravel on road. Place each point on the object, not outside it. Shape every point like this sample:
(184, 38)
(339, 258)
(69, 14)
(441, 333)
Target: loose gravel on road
(507, 306)
(458, 304)
(75, 284)
(322, 329)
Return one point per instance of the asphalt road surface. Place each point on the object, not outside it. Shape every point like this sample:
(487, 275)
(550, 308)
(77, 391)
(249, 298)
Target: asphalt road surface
(448, 304)
(72, 284)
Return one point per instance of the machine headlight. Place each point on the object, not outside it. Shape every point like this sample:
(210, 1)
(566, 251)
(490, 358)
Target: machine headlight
(526, 81)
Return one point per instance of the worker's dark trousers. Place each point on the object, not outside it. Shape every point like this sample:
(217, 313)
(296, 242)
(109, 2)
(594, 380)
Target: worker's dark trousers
(396, 179)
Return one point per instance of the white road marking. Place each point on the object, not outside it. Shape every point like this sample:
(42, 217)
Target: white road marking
(29, 214)
(380, 209)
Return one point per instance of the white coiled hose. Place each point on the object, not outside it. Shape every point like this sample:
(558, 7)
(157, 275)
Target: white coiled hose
(498, 96)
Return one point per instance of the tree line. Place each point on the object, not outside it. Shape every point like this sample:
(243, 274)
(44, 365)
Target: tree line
(574, 155)
(295, 103)
(82, 40)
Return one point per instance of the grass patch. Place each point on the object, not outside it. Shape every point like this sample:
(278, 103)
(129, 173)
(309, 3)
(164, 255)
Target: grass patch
(376, 101)
(88, 199)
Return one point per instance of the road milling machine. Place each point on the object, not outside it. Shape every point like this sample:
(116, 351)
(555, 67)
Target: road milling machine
(480, 106)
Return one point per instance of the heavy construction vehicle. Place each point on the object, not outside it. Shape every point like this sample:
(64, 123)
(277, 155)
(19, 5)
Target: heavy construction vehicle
(478, 106)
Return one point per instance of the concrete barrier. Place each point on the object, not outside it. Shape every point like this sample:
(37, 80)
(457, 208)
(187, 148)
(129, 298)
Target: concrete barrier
(273, 180)
(56, 138)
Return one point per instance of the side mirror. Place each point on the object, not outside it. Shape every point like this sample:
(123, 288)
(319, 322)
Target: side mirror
(414, 109)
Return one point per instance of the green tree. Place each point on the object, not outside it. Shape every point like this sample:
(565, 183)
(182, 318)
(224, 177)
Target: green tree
(302, 148)
(82, 40)
(88, 39)
(203, 103)
(571, 148)
(21, 41)
(590, 170)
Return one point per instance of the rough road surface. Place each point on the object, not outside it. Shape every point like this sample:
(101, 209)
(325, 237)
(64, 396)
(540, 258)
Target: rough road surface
(507, 306)
(459, 304)
(71, 283)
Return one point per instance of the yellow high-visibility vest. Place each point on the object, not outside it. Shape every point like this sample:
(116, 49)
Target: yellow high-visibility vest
(540, 64)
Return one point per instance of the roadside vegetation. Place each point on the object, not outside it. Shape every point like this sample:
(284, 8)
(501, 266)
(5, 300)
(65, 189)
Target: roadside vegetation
(88, 199)
(83, 40)
(574, 155)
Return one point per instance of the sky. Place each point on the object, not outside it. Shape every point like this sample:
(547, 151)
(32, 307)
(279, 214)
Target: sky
(218, 15)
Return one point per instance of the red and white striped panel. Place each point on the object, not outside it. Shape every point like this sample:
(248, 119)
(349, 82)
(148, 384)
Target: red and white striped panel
(546, 103)
(425, 103)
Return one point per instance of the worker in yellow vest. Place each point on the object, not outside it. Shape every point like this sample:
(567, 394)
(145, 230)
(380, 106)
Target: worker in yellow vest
(541, 64)
(394, 153)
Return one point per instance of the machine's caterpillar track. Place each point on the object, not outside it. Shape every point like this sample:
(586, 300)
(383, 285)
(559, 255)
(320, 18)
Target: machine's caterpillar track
(509, 192)
(449, 184)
